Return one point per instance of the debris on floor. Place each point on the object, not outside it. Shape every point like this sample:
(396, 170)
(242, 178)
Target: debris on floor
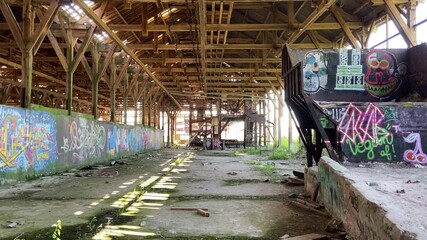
(410, 181)
(400, 191)
(310, 205)
(232, 173)
(311, 236)
(291, 181)
(200, 211)
(14, 224)
(203, 213)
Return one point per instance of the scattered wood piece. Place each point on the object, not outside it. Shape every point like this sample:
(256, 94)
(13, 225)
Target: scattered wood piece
(315, 206)
(310, 208)
(294, 182)
(203, 213)
(311, 236)
(188, 209)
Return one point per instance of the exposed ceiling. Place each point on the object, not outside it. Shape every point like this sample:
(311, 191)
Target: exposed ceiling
(175, 52)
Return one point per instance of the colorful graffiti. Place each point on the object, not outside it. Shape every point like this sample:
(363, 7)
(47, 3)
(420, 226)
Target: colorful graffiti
(315, 77)
(32, 141)
(363, 133)
(369, 76)
(381, 132)
(84, 139)
(415, 155)
(26, 140)
(349, 74)
(381, 78)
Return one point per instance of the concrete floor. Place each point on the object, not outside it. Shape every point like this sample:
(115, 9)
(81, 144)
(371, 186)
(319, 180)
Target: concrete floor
(133, 200)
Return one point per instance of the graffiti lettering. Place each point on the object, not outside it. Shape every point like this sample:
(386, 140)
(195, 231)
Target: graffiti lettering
(84, 140)
(383, 139)
(23, 144)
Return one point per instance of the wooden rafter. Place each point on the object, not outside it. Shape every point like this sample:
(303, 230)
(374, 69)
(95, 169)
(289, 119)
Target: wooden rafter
(407, 33)
(320, 9)
(344, 26)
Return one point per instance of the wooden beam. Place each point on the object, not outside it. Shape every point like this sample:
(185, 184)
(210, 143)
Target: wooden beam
(314, 39)
(46, 20)
(89, 12)
(202, 35)
(407, 33)
(345, 28)
(144, 19)
(82, 49)
(177, 47)
(12, 24)
(58, 50)
(45, 76)
(249, 27)
(320, 9)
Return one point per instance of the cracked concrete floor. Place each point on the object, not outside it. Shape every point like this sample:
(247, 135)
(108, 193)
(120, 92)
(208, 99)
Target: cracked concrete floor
(134, 200)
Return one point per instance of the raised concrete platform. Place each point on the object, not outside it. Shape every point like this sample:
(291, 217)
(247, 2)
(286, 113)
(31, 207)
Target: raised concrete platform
(376, 201)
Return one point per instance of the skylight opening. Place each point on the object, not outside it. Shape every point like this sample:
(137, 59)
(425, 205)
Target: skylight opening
(165, 14)
(101, 36)
(74, 11)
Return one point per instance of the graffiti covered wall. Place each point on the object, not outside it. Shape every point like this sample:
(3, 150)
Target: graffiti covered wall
(388, 132)
(354, 75)
(37, 142)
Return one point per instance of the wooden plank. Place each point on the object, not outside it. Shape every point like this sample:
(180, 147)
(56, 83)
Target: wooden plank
(310, 236)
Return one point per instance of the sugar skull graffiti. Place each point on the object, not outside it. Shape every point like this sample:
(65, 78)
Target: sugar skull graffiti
(381, 78)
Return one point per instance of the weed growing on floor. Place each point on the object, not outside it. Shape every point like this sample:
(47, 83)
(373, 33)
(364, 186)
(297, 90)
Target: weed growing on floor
(266, 168)
(57, 233)
(249, 150)
(279, 153)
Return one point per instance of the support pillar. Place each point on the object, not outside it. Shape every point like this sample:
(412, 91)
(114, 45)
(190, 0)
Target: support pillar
(70, 57)
(126, 97)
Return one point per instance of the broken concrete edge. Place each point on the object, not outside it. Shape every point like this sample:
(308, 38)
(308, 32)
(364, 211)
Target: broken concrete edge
(348, 198)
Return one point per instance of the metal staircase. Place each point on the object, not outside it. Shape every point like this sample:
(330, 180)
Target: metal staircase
(307, 114)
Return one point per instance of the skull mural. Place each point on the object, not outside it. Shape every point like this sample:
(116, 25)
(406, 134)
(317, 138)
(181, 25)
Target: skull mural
(380, 78)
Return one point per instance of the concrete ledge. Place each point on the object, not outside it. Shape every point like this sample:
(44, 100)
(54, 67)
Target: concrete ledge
(367, 212)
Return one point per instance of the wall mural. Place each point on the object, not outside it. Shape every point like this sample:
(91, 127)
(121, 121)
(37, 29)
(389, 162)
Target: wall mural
(370, 76)
(381, 132)
(27, 140)
(315, 77)
(35, 141)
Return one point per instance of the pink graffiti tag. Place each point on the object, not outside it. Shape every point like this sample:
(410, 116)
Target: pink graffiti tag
(363, 125)
(416, 155)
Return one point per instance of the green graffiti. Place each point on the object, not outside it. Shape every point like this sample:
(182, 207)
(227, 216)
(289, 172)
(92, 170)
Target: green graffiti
(324, 122)
(383, 143)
